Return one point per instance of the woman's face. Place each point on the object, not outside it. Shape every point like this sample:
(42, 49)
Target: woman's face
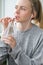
(23, 10)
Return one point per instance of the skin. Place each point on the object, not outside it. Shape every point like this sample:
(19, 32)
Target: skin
(23, 15)
(6, 21)
(22, 11)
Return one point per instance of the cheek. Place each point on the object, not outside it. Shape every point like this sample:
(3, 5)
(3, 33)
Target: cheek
(26, 16)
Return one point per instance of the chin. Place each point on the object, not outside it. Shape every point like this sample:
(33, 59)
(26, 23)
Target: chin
(17, 20)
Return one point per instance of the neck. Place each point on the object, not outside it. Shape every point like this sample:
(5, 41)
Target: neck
(24, 26)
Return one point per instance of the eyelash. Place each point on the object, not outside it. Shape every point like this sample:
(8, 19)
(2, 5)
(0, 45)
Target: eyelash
(20, 8)
(23, 9)
(16, 7)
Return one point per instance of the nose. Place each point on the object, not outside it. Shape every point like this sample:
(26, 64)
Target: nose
(17, 11)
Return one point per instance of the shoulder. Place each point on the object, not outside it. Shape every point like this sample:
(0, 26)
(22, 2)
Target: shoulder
(36, 33)
(37, 30)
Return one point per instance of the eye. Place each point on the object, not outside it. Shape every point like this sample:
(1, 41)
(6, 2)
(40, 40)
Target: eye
(16, 7)
(23, 8)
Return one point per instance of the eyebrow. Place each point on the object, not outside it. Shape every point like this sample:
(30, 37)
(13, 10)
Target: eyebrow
(21, 6)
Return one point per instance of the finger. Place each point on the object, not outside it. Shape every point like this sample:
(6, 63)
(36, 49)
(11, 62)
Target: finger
(7, 41)
(9, 38)
(13, 19)
(11, 42)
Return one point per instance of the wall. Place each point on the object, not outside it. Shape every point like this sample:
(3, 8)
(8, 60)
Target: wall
(2, 8)
(9, 7)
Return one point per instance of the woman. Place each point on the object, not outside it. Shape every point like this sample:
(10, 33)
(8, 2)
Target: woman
(26, 40)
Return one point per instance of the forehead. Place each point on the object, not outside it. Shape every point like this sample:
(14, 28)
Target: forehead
(26, 3)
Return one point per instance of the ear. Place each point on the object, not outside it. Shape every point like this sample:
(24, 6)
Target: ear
(33, 16)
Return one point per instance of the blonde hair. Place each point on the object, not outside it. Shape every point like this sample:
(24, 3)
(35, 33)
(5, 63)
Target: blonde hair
(36, 5)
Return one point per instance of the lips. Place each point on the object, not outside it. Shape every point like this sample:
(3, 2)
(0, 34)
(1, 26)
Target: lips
(17, 17)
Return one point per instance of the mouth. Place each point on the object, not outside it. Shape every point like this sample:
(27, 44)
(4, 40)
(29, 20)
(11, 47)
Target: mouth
(17, 17)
